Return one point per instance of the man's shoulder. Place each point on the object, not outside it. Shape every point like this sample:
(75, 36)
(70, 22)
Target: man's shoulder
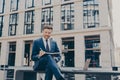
(38, 39)
(53, 40)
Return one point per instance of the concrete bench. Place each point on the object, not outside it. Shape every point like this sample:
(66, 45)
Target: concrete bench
(31, 75)
(22, 72)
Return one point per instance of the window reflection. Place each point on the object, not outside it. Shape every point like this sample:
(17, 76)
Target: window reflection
(13, 24)
(90, 14)
(12, 52)
(92, 50)
(27, 53)
(29, 22)
(67, 17)
(47, 16)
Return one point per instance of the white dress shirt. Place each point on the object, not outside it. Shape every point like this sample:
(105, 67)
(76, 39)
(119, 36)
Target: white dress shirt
(44, 40)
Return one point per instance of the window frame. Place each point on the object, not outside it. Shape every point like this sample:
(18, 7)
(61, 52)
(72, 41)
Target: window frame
(1, 25)
(69, 17)
(68, 48)
(90, 14)
(93, 49)
(47, 16)
(12, 50)
(29, 22)
(13, 24)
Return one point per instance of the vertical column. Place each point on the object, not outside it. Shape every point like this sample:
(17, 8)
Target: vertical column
(20, 27)
(38, 11)
(3, 58)
(117, 57)
(7, 6)
(6, 18)
(105, 50)
(38, 3)
(56, 16)
(5, 26)
(21, 5)
(79, 54)
(37, 24)
(78, 7)
(4, 53)
(2, 75)
(79, 50)
(19, 53)
(103, 13)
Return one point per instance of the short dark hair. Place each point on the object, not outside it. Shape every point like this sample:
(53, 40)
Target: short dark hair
(47, 27)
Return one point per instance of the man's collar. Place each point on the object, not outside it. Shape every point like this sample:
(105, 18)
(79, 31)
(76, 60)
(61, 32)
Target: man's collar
(45, 39)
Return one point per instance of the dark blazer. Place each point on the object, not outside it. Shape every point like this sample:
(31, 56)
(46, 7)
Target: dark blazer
(38, 44)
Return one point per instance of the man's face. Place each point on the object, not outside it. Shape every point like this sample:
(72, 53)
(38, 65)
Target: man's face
(47, 33)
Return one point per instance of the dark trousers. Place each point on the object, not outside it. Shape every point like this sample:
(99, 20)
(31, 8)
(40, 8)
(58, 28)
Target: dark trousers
(48, 64)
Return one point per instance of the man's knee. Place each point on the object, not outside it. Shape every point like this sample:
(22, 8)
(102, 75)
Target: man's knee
(49, 56)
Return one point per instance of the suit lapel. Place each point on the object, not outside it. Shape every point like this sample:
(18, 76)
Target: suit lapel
(42, 44)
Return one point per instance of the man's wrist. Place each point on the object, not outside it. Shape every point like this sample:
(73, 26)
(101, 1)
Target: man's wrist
(38, 56)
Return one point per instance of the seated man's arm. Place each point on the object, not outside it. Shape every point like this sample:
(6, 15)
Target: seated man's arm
(35, 51)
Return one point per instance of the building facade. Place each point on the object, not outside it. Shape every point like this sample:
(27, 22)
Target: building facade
(82, 29)
(116, 27)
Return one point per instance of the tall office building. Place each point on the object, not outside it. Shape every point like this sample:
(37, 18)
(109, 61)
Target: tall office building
(82, 29)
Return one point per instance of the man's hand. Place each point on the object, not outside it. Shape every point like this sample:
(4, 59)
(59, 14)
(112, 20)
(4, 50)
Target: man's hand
(41, 53)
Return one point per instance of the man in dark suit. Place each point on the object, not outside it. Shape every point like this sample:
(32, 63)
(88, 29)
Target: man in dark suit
(43, 57)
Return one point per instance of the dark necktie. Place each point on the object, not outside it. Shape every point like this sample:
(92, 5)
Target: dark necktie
(47, 46)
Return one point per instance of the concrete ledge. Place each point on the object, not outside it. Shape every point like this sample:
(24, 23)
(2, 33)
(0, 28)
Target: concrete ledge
(74, 70)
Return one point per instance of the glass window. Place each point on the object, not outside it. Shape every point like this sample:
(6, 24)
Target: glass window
(12, 51)
(11, 60)
(13, 24)
(29, 22)
(68, 56)
(1, 25)
(14, 5)
(90, 14)
(10, 74)
(68, 51)
(67, 17)
(47, 17)
(2, 6)
(46, 2)
(27, 53)
(92, 50)
(29, 4)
